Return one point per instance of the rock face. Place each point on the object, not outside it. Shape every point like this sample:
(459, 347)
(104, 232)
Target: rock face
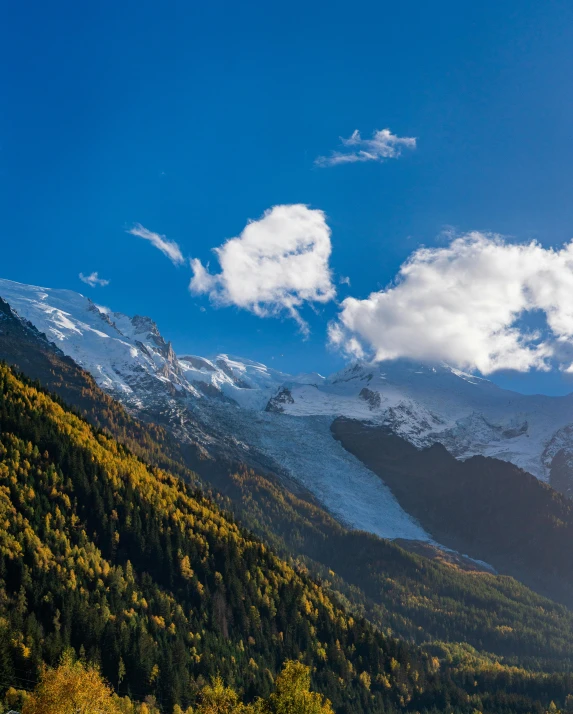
(275, 404)
(373, 399)
(251, 413)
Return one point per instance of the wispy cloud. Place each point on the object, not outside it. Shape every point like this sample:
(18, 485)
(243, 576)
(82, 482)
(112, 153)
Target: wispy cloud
(274, 266)
(383, 145)
(168, 247)
(93, 279)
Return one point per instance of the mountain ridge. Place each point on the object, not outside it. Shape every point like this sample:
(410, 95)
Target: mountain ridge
(194, 395)
(374, 577)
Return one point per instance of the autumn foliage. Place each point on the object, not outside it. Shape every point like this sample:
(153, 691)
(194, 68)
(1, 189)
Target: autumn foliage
(71, 688)
(178, 606)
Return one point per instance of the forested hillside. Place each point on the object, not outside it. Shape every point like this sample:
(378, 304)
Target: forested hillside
(145, 576)
(151, 580)
(402, 593)
(408, 595)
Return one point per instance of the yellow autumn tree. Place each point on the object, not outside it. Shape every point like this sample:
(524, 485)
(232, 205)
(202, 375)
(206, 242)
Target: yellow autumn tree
(216, 698)
(293, 695)
(71, 688)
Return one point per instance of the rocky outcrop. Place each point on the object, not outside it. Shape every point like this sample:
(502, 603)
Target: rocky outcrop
(372, 398)
(276, 403)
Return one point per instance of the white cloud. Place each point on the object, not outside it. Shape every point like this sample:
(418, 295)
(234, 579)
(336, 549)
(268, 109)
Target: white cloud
(93, 279)
(469, 304)
(167, 247)
(383, 145)
(277, 263)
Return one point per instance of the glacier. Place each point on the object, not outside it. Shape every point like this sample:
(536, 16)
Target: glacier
(282, 421)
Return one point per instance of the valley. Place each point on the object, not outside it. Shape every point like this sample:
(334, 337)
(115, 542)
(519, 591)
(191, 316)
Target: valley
(377, 483)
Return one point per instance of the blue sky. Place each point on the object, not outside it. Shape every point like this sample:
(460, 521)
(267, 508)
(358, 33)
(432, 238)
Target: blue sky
(192, 118)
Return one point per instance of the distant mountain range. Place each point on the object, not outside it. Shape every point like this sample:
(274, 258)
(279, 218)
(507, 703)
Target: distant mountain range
(297, 428)
(130, 359)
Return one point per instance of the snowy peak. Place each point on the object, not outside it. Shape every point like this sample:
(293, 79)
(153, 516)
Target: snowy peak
(126, 356)
(131, 359)
(146, 326)
(406, 375)
(428, 404)
(250, 384)
(10, 321)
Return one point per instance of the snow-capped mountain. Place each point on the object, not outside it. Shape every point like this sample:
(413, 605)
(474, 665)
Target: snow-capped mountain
(426, 404)
(282, 422)
(423, 404)
(218, 404)
(121, 353)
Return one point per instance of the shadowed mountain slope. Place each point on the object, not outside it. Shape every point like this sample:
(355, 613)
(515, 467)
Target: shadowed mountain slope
(487, 508)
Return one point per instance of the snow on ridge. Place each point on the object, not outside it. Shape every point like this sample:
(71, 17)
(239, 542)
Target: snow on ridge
(438, 404)
(130, 359)
(106, 344)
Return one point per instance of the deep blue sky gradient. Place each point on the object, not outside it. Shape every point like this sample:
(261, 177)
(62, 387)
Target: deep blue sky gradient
(191, 118)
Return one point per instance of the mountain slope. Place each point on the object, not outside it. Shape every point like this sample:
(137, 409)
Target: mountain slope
(200, 400)
(197, 397)
(484, 507)
(29, 351)
(415, 597)
(130, 566)
(216, 415)
(402, 593)
(101, 552)
(468, 415)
